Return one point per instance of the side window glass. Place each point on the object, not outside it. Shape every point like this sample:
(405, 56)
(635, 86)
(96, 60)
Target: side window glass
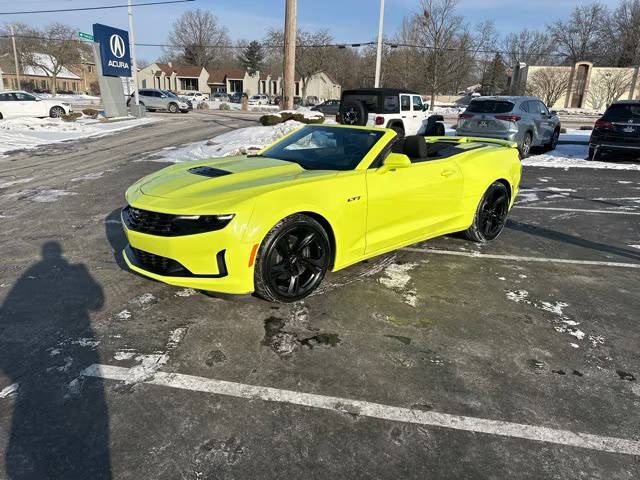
(417, 103)
(6, 97)
(543, 108)
(405, 103)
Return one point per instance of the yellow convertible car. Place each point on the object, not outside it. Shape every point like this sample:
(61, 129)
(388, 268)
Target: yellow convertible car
(321, 198)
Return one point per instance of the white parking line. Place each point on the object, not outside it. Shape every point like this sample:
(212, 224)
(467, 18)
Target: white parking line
(559, 209)
(521, 259)
(375, 410)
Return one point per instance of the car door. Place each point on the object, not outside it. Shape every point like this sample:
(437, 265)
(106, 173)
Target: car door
(417, 115)
(538, 122)
(9, 107)
(406, 114)
(407, 204)
(29, 106)
(547, 124)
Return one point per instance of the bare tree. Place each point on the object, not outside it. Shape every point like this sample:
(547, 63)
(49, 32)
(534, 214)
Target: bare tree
(577, 37)
(528, 46)
(313, 52)
(620, 37)
(438, 29)
(50, 50)
(549, 83)
(608, 86)
(198, 39)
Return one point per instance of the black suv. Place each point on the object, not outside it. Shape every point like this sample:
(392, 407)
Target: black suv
(617, 130)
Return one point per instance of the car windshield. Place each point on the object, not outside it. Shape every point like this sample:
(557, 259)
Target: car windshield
(490, 106)
(169, 94)
(325, 148)
(623, 112)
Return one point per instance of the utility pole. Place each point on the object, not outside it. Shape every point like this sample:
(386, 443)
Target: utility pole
(379, 53)
(15, 55)
(289, 53)
(132, 48)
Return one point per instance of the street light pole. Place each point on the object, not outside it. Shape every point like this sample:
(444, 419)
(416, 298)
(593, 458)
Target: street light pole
(289, 53)
(132, 48)
(15, 55)
(379, 53)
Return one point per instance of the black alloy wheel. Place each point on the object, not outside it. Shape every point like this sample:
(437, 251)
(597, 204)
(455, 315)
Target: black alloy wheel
(292, 260)
(491, 215)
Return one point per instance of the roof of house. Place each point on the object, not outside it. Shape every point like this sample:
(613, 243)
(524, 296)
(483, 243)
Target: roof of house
(187, 70)
(7, 66)
(165, 67)
(219, 76)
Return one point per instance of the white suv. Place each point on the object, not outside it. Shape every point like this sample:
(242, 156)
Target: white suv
(197, 96)
(259, 100)
(398, 109)
(16, 103)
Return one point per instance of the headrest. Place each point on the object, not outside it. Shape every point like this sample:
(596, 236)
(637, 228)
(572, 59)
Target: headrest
(415, 146)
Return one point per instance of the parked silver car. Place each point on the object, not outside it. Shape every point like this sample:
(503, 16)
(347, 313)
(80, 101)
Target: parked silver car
(524, 120)
(155, 99)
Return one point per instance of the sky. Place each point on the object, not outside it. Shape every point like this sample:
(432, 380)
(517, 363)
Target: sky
(349, 21)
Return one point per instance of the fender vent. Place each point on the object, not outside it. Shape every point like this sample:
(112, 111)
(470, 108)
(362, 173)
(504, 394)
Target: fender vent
(208, 171)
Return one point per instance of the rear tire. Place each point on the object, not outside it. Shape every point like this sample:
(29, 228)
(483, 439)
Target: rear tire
(398, 129)
(491, 214)
(353, 113)
(292, 260)
(594, 154)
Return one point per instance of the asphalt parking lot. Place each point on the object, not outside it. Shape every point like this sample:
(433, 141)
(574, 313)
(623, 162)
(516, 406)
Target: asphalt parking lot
(447, 359)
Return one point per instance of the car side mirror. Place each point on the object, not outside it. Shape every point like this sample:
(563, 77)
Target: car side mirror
(554, 112)
(37, 99)
(163, 96)
(394, 161)
(425, 107)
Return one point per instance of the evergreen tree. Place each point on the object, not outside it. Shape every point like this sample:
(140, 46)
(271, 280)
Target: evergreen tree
(252, 57)
(495, 77)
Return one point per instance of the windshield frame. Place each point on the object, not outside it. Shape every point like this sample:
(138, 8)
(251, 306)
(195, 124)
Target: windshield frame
(384, 136)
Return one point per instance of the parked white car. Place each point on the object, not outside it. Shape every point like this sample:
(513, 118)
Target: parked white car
(197, 96)
(16, 103)
(259, 100)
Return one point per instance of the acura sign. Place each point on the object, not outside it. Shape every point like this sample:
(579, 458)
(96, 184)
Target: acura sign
(114, 50)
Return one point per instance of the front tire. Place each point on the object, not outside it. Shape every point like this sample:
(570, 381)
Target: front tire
(491, 214)
(525, 146)
(173, 108)
(292, 260)
(56, 112)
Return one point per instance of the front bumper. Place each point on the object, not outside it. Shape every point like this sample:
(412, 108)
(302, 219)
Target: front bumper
(214, 261)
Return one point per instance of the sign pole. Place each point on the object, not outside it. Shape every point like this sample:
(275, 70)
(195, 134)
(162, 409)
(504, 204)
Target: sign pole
(134, 68)
(15, 56)
(379, 50)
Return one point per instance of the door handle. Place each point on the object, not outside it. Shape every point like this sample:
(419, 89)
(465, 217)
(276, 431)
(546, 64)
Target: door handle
(447, 173)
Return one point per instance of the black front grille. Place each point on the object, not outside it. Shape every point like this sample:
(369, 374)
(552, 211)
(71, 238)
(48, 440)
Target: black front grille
(157, 264)
(144, 221)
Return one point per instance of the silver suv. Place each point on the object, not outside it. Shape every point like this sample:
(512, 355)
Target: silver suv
(155, 99)
(524, 120)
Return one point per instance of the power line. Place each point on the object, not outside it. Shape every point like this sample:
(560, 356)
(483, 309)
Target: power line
(105, 7)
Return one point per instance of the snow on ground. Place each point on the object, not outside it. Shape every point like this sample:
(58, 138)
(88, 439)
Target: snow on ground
(72, 98)
(574, 156)
(215, 105)
(236, 142)
(28, 133)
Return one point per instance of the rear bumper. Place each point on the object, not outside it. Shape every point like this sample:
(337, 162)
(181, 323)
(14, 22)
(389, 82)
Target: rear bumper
(511, 136)
(615, 146)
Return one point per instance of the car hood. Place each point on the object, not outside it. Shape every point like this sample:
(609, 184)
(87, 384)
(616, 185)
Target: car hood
(207, 183)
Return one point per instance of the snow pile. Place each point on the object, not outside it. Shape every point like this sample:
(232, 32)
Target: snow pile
(215, 105)
(73, 99)
(574, 156)
(27, 133)
(589, 112)
(236, 142)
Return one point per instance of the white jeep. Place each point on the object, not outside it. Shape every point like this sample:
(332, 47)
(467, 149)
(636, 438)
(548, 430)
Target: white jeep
(395, 108)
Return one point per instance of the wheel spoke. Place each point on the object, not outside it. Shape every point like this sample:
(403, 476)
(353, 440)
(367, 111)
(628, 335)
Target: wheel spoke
(278, 269)
(311, 265)
(293, 285)
(305, 242)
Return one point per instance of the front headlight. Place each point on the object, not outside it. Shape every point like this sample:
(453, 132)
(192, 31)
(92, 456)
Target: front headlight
(192, 224)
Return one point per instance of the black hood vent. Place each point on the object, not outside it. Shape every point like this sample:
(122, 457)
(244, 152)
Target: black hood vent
(208, 171)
